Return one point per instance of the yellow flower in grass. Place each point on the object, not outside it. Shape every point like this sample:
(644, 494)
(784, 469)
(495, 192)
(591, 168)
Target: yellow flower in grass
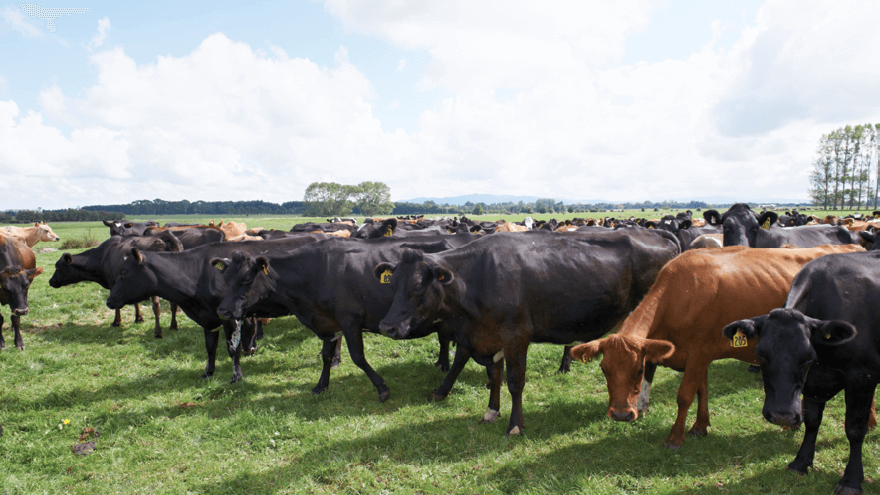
(66, 421)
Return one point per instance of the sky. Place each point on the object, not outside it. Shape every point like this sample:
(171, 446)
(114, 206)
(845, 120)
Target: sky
(639, 100)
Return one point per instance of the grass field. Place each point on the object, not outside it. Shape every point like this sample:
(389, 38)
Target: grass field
(163, 429)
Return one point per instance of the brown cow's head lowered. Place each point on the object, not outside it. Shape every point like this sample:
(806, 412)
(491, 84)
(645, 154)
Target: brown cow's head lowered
(624, 368)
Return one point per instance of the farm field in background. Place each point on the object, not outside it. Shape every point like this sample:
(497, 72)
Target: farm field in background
(164, 429)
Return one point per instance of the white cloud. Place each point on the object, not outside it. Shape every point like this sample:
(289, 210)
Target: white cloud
(98, 39)
(401, 64)
(14, 19)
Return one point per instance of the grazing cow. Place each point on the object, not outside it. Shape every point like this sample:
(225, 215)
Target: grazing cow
(677, 325)
(507, 290)
(824, 340)
(18, 267)
(31, 235)
(329, 286)
(186, 278)
(129, 228)
(742, 227)
(101, 265)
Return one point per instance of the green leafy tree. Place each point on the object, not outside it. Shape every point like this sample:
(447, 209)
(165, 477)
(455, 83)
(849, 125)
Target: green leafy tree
(374, 198)
(325, 199)
(478, 210)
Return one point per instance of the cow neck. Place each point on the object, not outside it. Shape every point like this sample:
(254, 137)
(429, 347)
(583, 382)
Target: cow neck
(455, 301)
(295, 275)
(644, 320)
(172, 283)
(31, 237)
(90, 267)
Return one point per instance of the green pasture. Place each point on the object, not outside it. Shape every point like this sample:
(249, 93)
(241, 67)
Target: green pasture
(163, 429)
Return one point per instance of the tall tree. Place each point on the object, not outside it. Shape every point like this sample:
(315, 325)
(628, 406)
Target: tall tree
(822, 175)
(324, 199)
(374, 198)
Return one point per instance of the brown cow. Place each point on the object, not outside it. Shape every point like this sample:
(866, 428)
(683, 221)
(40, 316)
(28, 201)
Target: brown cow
(511, 227)
(31, 235)
(231, 229)
(678, 324)
(18, 267)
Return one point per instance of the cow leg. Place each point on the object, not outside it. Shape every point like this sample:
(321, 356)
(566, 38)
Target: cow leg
(157, 332)
(2, 342)
(229, 328)
(858, 410)
(565, 364)
(138, 317)
(174, 309)
(443, 358)
(645, 393)
(516, 381)
(462, 356)
(16, 327)
(813, 409)
(355, 341)
(694, 376)
(328, 352)
(337, 353)
(701, 425)
(211, 338)
(495, 372)
(117, 320)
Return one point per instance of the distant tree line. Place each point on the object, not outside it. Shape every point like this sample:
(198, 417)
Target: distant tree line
(327, 199)
(185, 207)
(846, 170)
(68, 215)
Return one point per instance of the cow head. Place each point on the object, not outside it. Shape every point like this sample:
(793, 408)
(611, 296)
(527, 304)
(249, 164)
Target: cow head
(14, 285)
(740, 225)
(419, 284)
(712, 217)
(134, 282)
(789, 343)
(249, 281)
(67, 270)
(45, 232)
(623, 364)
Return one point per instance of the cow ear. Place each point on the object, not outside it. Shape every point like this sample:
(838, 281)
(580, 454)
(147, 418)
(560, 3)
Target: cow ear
(220, 263)
(587, 352)
(36, 224)
(67, 258)
(382, 268)
(475, 229)
(712, 217)
(767, 219)
(33, 272)
(867, 236)
(686, 224)
(443, 275)
(109, 224)
(262, 263)
(831, 333)
(135, 252)
(751, 327)
(650, 225)
(658, 350)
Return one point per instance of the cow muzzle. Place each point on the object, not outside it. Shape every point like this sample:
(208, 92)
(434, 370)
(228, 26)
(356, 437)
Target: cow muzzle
(21, 312)
(395, 331)
(625, 415)
(790, 419)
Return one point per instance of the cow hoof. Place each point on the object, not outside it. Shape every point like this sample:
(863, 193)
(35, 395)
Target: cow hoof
(444, 367)
(562, 370)
(490, 416)
(158, 336)
(698, 432)
(20, 347)
(795, 469)
(672, 445)
(115, 325)
(383, 396)
(318, 390)
(754, 369)
(845, 490)
(139, 319)
(436, 398)
(236, 379)
(173, 326)
(334, 366)
(207, 375)
(514, 431)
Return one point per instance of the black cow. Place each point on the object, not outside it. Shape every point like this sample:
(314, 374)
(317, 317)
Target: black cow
(101, 265)
(742, 227)
(191, 237)
(178, 224)
(129, 228)
(826, 339)
(687, 233)
(186, 278)
(18, 267)
(507, 290)
(329, 286)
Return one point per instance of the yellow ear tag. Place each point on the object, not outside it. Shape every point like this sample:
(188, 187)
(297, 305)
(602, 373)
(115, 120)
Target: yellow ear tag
(219, 265)
(265, 269)
(766, 224)
(739, 340)
(650, 226)
(827, 336)
(441, 277)
(877, 215)
(385, 278)
(388, 231)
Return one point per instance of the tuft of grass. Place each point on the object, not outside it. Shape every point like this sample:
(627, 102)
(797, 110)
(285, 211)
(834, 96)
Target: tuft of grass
(86, 241)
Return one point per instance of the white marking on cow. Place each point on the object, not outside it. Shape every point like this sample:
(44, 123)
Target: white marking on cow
(644, 397)
(236, 334)
(515, 431)
(498, 356)
(491, 416)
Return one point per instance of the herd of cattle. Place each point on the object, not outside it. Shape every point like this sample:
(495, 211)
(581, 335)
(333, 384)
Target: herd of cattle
(805, 310)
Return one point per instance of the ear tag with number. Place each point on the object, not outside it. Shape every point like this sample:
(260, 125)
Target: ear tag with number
(650, 226)
(385, 278)
(739, 340)
(766, 224)
(388, 231)
(219, 265)
(265, 269)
